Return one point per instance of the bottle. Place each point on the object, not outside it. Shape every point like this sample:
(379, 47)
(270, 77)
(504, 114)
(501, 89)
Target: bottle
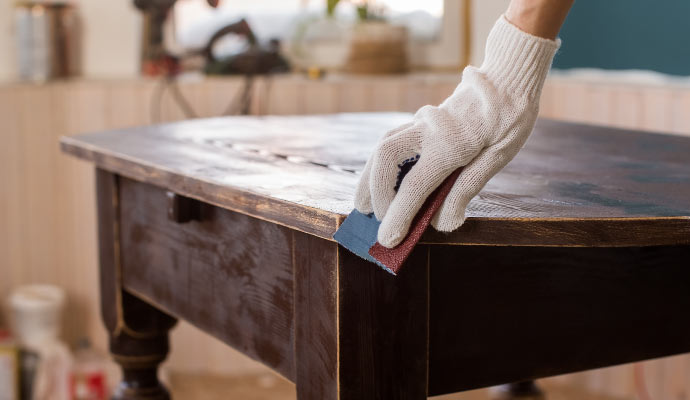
(9, 367)
(45, 361)
(89, 373)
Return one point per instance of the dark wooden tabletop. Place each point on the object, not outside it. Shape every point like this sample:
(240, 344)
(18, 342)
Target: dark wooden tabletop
(572, 185)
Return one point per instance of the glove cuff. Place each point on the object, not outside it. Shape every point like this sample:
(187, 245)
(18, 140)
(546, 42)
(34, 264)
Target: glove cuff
(516, 60)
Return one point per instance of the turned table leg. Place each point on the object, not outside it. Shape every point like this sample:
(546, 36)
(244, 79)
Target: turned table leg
(527, 390)
(138, 331)
(139, 351)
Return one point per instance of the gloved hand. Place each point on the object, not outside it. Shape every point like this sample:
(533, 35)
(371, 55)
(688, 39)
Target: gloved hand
(481, 126)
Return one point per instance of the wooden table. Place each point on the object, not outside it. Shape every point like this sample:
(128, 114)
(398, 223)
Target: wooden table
(574, 257)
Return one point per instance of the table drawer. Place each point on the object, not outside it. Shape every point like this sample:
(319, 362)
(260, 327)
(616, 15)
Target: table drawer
(229, 274)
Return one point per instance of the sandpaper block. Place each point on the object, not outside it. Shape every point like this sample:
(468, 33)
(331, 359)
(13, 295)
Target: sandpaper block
(358, 232)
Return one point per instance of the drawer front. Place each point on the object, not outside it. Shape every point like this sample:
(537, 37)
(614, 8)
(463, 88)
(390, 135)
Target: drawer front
(228, 274)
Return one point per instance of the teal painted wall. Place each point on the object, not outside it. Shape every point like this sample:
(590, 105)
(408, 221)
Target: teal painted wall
(627, 34)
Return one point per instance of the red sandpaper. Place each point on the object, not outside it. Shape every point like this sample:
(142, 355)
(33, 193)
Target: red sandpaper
(395, 257)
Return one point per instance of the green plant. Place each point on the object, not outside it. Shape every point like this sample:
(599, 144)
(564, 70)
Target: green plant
(330, 7)
(363, 12)
(369, 11)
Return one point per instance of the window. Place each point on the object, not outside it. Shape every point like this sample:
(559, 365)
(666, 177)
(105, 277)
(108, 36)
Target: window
(195, 21)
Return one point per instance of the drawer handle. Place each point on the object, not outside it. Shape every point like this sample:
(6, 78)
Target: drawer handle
(183, 209)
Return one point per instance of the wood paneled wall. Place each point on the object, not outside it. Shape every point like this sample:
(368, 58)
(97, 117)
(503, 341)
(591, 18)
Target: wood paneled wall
(652, 107)
(47, 212)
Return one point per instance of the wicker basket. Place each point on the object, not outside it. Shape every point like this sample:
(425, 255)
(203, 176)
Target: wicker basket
(377, 48)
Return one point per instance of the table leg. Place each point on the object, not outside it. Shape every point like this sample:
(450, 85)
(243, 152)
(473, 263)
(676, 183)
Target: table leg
(315, 320)
(139, 350)
(360, 333)
(527, 390)
(138, 331)
(384, 329)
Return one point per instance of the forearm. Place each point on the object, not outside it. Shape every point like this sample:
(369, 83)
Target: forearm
(542, 18)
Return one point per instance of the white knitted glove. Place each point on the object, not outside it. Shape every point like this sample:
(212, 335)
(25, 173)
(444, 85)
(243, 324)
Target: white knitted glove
(481, 126)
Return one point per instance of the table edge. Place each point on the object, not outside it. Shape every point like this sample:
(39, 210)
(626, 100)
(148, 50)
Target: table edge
(306, 219)
(476, 231)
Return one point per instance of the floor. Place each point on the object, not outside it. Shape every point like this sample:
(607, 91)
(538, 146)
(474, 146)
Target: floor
(269, 386)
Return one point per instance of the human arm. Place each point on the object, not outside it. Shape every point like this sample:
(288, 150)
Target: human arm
(542, 18)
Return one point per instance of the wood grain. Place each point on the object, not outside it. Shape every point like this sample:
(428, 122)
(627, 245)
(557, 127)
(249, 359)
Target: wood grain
(383, 329)
(572, 185)
(456, 318)
(315, 264)
(228, 274)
